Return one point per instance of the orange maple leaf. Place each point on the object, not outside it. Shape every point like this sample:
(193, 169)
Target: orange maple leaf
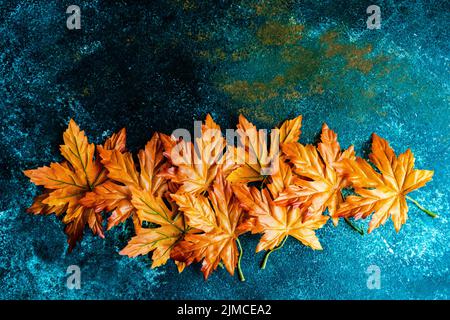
(318, 185)
(66, 183)
(161, 239)
(115, 194)
(195, 166)
(274, 221)
(383, 193)
(256, 161)
(290, 130)
(221, 220)
(146, 193)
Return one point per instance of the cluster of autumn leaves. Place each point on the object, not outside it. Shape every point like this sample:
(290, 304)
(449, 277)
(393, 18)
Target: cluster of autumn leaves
(190, 201)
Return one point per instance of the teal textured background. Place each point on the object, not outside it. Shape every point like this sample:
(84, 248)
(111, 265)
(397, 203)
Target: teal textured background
(159, 65)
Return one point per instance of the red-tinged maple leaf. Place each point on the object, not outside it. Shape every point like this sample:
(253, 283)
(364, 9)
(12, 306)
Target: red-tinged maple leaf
(221, 220)
(115, 194)
(141, 195)
(195, 166)
(111, 197)
(318, 185)
(383, 193)
(66, 183)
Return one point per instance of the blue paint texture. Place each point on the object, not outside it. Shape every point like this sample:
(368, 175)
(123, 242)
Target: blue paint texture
(159, 65)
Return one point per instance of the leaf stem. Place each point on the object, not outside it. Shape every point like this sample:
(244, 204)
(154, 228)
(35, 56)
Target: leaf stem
(264, 262)
(263, 182)
(240, 273)
(353, 226)
(428, 212)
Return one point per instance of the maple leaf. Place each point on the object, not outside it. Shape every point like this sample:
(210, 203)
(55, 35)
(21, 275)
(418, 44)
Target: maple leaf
(318, 185)
(257, 159)
(221, 220)
(274, 221)
(383, 193)
(195, 166)
(290, 130)
(66, 183)
(159, 240)
(115, 194)
(253, 155)
(146, 193)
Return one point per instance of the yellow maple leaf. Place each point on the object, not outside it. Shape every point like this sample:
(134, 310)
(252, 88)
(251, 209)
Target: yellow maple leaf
(383, 193)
